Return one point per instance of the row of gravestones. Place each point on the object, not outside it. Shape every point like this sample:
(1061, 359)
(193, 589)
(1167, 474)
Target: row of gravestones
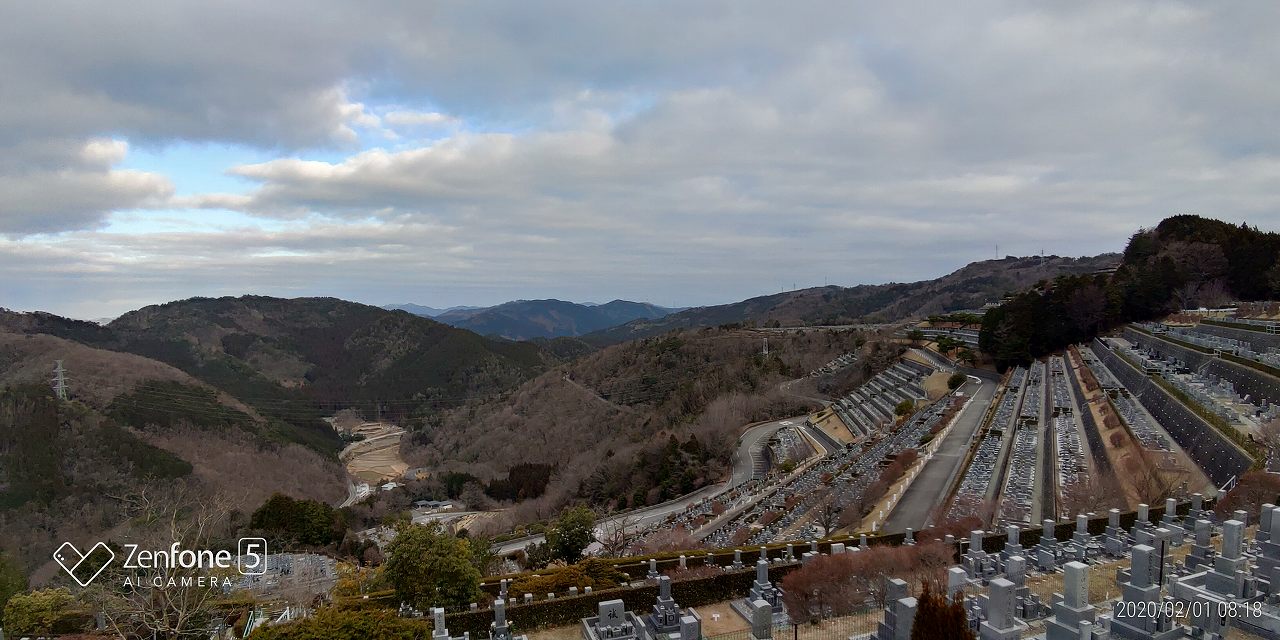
(1048, 554)
(1213, 589)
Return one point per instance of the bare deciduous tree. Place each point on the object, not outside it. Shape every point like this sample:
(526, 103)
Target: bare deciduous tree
(616, 534)
(167, 601)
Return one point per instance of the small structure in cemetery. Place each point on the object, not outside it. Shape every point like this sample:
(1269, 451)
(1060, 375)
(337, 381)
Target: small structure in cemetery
(764, 590)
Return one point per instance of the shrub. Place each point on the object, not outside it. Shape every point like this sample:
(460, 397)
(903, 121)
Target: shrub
(335, 624)
(592, 572)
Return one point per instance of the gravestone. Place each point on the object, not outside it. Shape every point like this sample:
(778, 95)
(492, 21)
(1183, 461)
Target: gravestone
(438, 629)
(1230, 567)
(1047, 548)
(499, 629)
(1001, 621)
(899, 612)
(1264, 524)
(1138, 616)
(1197, 511)
(690, 627)
(1201, 554)
(666, 614)
(611, 622)
(957, 580)
(761, 620)
(1268, 572)
(1012, 543)
(1072, 609)
(762, 589)
(1170, 521)
(1116, 541)
(979, 564)
(1080, 539)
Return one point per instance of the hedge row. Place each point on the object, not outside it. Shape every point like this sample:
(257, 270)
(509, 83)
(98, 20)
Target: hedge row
(637, 567)
(569, 610)
(700, 591)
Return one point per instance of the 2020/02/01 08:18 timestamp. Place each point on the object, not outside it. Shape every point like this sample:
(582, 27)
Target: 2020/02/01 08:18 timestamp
(1196, 609)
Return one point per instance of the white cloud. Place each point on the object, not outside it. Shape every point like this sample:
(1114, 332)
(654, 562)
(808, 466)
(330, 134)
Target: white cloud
(418, 118)
(653, 150)
(79, 194)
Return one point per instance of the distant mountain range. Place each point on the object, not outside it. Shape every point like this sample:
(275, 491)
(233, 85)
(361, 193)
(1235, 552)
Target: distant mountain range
(969, 287)
(426, 312)
(530, 319)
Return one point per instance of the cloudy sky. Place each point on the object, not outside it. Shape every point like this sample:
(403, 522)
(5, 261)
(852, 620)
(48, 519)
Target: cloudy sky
(682, 153)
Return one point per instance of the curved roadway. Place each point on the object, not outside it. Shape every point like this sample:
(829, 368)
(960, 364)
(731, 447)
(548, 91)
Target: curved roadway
(744, 468)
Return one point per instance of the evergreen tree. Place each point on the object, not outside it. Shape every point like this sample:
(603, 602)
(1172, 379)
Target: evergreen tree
(430, 568)
(938, 619)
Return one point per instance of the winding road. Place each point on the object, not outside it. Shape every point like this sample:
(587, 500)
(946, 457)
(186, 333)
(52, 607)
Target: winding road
(744, 469)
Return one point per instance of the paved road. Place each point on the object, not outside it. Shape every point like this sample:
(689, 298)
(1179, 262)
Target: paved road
(744, 467)
(929, 488)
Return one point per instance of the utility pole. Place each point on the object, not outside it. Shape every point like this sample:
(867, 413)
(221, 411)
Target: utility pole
(60, 380)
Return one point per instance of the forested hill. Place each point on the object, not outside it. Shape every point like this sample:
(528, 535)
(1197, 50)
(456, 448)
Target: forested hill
(526, 319)
(969, 287)
(287, 358)
(1186, 261)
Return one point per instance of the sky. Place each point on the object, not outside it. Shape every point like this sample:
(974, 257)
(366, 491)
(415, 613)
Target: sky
(449, 153)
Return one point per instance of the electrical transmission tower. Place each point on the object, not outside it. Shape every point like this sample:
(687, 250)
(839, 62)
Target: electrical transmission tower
(60, 380)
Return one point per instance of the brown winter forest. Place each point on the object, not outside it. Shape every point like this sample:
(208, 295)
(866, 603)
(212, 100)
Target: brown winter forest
(659, 414)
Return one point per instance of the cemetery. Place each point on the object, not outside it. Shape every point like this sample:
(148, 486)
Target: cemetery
(1214, 392)
(839, 363)
(1174, 572)
(1221, 459)
(866, 410)
(985, 474)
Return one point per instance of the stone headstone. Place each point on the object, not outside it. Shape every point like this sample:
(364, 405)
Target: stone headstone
(1015, 570)
(611, 613)
(1232, 539)
(1075, 584)
(1000, 613)
(499, 630)
(690, 628)
(957, 579)
(1144, 567)
(761, 620)
(438, 629)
